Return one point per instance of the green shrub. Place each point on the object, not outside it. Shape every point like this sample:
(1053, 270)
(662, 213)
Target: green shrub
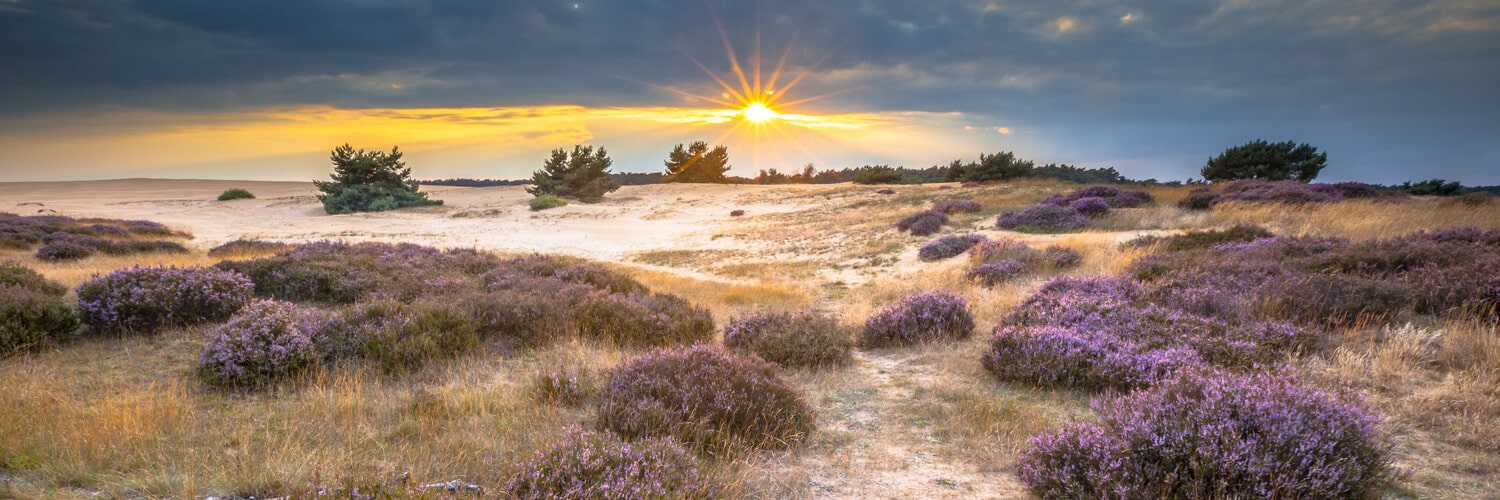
(583, 175)
(16, 275)
(369, 181)
(400, 338)
(790, 339)
(235, 194)
(546, 201)
(1266, 161)
(697, 163)
(882, 174)
(32, 318)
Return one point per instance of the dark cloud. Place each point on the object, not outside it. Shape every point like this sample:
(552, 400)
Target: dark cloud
(1393, 89)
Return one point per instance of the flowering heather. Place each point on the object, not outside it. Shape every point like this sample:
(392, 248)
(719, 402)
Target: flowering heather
(32, 317)
(923, 223)
(1462, 235)
(1473, 286)
(991, 274)
(1215, 434)
(567, 269)
(789, 339)
(920, 317)
(343, 273)
(949, 246)
(957, 206)
(265, 341)
(148, 299)
(1043, 217)
(1288, 192)
(1092, 206)
(1113, 197)
(1336, 299)
(1199, 199)
(589, 465)
(705, 397)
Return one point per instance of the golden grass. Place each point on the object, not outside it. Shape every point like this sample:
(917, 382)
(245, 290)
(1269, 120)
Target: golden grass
(725, 299)
(1357, 219)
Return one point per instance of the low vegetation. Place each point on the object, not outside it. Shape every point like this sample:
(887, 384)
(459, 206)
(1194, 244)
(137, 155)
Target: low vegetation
(369, 181)
(790, 339)
(236, 194)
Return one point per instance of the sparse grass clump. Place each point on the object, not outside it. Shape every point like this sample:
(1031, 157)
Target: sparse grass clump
(146, 300)
(790, 339)
(957, 206)
(705, 397)
(264, 342)
(1214, 434)
(546, 201)
(569, 386)
(590, 464)
(236, 194)
(949, 246)
(920, 317)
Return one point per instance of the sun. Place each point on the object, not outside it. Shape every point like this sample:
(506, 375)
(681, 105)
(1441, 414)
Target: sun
(758, 112)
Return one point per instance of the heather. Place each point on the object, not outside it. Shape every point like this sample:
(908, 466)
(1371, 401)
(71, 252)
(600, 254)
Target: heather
(1216, 434)
(1289, 192)
(999, 261)
(264, 342)
(15, 275)
(599, 465)
(344, 273)
(991, 274)
(398, 337)
(957, 206)
(949, 246)
(564, 385)
(789, 339)
(242, 247)
(919, 317)
(1043, 217)
(149, 299)
(65, 238)
(705, 397)
(1093, 196)
(923, 223)
(32, 318)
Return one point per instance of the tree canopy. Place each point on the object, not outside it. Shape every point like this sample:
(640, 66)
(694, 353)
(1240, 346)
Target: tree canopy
(1272, 161)
(582, 175)
(369, 181)
(697, 163)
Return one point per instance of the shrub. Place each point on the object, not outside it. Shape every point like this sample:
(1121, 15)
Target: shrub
(343, 273)
(264, 342)
(1042, 218)
(736, 213)
(949, 246)
(992, 274)
(546, 201)
(236, 194)
(1000, 250)
(969, 184)
(568, 386)
(399, 337)
(1092, 206)
(369, 181)
(1199, 199)
(1197, 240)
(789, 339)
(1266, 160)
(567, 269)
(1336, 299)
(957, 206)
(1062, 257)
(920, 317)
(137, 246)
(63, 250)
(16, 275)
(923, 223)
(243, 247)
(881, 174)
(583, 175)
(589, 464)
(148, 299)
(643, 319)
(1211, 434)
(1112, 197)
(705, 397)
(32, 317)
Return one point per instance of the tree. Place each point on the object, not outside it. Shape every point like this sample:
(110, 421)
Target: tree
(697, 163)
(583, 175)
(1266, 160)
(883, 174)
(369, 181)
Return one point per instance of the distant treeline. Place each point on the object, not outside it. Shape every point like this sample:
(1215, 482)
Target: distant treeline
(466, 182)
(1441, 187)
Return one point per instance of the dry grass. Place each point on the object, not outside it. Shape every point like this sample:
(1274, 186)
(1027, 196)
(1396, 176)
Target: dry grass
(1358, 219)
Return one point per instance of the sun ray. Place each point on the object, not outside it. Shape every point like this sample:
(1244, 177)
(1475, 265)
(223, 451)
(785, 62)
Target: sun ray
(727, 88)
(734, 62)
(680, 92)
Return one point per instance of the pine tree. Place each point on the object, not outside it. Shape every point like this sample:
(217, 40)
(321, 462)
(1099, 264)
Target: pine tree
(1266, 160)
(697, 163)
(582, 175)
(369, 181)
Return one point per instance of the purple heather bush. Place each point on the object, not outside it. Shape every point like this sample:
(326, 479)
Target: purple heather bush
(567, 269)
(643, 319)
(949, 246)
(790, 339)
(148, 299)
(1043, 217)
(920, 317)
(992, 274)
(264, 342)
(923, 223)
(1336, 299)
(32, 317)
(1113, 197)
(342, 273)
(1216, 434)
(705, 397)
(398, 337)
(599, 465)
(1061, 257)
(957, 206)
(1092, 206)
(1199, 199)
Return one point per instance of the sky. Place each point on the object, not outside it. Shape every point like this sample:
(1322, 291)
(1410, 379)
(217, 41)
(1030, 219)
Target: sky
(1391, 90)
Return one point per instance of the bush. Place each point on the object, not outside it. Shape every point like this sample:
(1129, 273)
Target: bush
(63, 250)
(582, 175)
(1112, 197)
(1062, 257)
(343, 273)
(1043, 218)
(949, 246)
(992, 274)
(1211, 434)
(881, 174)
(264, 342)
(369, 181)
(920, 317)
(243, 247)
(397, 337)
(789, 339)
(957, 206)
(736, 213)
(546, 201)
(705, 397)
(236, 194)
(32, 317)
(1199, 199)
(643, 319)
(1092, 206)
(1336, 299)
(148, 299)
(1265, 160)
(137, 246)
(588, 464)
(16, 275)
(1003, 249)
(923, 223)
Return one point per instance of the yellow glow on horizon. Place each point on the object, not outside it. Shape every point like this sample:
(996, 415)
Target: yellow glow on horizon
(758, 112)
